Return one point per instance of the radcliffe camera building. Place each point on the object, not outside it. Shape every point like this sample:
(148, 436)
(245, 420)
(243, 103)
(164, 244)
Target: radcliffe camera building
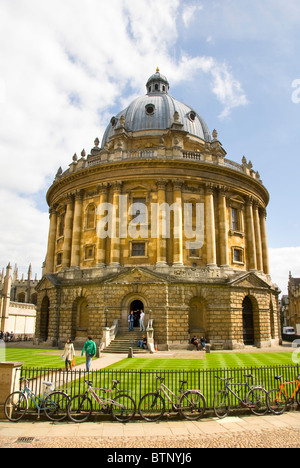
(199, 266)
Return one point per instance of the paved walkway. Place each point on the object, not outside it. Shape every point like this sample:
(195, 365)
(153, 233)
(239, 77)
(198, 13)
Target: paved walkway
(237, 430)
(245, 430)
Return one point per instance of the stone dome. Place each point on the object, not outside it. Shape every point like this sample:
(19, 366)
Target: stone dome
(157, 110)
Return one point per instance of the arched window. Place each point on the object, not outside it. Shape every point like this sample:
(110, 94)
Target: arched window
(91, 217)
(21, 297)
(197, 316)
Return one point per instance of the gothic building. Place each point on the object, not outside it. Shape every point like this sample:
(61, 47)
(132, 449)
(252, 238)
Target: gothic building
(293, 309)
(157, 218)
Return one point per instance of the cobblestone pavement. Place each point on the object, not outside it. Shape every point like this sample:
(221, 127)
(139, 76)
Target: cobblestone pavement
(232, 432)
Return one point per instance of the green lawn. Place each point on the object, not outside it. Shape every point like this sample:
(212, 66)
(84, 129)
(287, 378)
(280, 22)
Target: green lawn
(212, 361)
(38, 358)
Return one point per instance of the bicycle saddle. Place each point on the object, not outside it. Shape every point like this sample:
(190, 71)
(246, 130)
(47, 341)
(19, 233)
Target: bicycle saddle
(183, 381)
(279, 377)
(160, 378)
(89, 382)
(115, 381)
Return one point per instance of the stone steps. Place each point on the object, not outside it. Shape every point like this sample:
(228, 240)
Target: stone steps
(124, 340)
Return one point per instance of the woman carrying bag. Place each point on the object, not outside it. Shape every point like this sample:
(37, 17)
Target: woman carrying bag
(69, 355)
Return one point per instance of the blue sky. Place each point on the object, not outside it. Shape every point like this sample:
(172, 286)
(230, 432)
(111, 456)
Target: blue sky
(67, 67)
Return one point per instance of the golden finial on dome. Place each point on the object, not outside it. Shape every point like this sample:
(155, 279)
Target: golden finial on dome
(157, 70)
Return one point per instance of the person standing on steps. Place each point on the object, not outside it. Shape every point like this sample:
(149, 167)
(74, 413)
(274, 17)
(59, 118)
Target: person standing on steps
(90, 351)
(130, 321)
(142, 317)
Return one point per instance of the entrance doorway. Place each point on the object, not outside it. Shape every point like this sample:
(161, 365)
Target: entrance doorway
(248, 323)
(136, 306)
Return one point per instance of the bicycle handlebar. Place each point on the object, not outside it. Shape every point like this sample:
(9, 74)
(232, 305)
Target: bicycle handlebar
(226, 379)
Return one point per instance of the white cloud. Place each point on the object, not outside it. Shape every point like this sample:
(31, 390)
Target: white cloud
(282, 261)
(24, 232)
(189, 12)
(65, 67)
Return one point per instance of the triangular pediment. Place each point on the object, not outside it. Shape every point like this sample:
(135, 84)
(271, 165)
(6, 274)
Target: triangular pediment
(45, 283)
(135, 276)
(250, 280)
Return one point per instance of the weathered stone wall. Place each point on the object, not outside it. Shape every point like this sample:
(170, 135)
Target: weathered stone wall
(220, 307)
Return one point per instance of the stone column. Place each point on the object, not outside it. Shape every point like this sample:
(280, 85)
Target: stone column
(177, 236)
(264, 241)
(257, 232)
(66, 260)
(161, 242)
(223, 228)
(77, 227)
(115, 251)
(101, 242)
(210, 230)
(251, 248)
(50, 260)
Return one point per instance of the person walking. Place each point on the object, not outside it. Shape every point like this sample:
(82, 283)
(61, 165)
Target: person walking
(142, 317)
(130, 320)
(69, 354)
(90, 351)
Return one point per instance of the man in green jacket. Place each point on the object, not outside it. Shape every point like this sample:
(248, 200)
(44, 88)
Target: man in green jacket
(90, 351)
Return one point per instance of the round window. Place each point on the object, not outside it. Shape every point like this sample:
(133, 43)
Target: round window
(192, 116)
(150, 109)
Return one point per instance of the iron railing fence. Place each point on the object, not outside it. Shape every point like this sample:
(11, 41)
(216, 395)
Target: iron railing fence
(139, 382)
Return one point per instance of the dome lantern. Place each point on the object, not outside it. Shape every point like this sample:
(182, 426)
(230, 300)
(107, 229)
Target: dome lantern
(157, 83)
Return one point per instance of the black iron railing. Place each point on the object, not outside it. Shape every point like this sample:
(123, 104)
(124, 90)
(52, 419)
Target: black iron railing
(139, 382)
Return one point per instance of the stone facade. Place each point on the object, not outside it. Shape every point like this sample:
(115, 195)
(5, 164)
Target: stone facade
(212, 279)
(293, 310)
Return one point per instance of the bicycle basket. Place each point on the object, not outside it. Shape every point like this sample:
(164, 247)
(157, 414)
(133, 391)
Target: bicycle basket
(47, 387)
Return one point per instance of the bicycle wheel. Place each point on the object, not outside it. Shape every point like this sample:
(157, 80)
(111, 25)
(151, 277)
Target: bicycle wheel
(192, 405)
(152, 407)
(221, 404)
(15, 406)
(80, 408)
(256, 400)
(298, 398)
(276, 401)
(56, 406)
(124, 409)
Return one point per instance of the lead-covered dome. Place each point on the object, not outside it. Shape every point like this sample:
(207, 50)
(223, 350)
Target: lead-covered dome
(157, 110)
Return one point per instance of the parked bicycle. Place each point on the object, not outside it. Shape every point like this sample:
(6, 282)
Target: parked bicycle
(278, 398)
(252, 397)
(53, 403)
(122, 406)
(191, 403)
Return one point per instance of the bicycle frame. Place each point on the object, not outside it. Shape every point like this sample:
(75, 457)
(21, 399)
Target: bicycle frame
(38, 401)
(239, 384)
(102, 402)
(163, 389)
(283, 389)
